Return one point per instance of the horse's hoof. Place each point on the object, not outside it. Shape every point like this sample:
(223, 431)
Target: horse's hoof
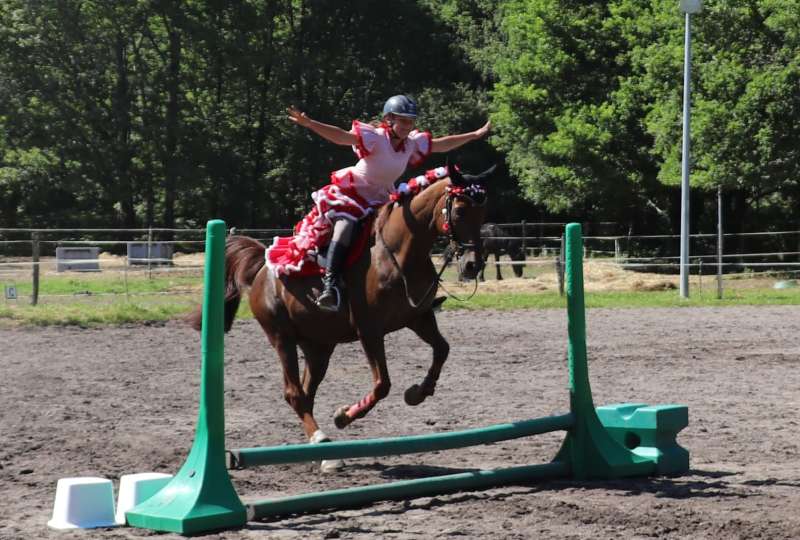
(414, 395)
(340, 418)
(331, 465)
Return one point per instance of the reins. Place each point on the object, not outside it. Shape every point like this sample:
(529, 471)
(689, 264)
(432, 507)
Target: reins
(448, 258)
(456, 250)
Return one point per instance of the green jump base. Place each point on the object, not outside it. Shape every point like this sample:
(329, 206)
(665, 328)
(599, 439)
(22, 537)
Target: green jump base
(406, 489)
(296, 453)
(201, 496)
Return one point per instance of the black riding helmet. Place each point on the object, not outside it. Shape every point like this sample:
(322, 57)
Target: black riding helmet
(401, 106)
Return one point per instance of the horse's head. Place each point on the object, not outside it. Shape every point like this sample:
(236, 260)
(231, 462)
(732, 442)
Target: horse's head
(463, 215)
(517, 254)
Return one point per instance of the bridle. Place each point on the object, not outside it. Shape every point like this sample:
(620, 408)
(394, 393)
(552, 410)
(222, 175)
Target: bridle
(476, 195)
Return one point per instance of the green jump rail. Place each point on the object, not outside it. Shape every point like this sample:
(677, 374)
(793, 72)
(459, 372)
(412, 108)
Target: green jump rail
(251, 457)
(201, 496)
(435, 485)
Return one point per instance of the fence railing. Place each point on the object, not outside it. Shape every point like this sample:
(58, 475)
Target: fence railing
(28, 256)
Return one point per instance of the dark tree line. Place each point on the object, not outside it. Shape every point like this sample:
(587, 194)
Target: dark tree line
(164, 112)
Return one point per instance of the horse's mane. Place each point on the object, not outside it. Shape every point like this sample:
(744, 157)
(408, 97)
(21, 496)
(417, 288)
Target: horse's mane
(386, 210)
(383, 216)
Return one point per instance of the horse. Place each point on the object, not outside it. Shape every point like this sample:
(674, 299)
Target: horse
(496, 242)
(391, 286)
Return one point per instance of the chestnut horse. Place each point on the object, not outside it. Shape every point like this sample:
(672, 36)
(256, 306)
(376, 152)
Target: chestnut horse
(391, 286)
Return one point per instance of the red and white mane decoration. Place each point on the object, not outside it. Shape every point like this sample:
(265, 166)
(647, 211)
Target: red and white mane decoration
(418, 183)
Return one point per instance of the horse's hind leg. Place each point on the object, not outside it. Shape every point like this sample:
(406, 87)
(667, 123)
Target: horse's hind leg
(376, 356)
(426, 328)
(318, 357)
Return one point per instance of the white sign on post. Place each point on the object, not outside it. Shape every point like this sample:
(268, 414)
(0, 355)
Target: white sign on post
(11, 292)
(691, 6)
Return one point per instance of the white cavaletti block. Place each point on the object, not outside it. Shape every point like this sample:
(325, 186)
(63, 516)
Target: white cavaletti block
(83, 503)
(134, 489)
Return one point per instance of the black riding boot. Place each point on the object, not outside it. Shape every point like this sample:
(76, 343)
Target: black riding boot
(331, 297)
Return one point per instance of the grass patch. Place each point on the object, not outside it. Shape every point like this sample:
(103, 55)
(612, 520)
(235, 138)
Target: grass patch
(110, 284)
(628, 299)
(91, 315)
(94, 309)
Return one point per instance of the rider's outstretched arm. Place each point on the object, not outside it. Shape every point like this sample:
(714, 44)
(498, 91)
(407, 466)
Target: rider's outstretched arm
(332, 133)
(451, 142)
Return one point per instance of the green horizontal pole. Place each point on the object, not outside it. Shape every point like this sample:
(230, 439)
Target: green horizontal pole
(435, 485)
(251, 457)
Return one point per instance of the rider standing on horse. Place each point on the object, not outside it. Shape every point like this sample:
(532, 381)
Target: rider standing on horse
(384, 152)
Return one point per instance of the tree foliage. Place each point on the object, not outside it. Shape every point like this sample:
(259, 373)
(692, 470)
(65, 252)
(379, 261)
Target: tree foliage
(588, 102)
(145, 112)
(167, 112)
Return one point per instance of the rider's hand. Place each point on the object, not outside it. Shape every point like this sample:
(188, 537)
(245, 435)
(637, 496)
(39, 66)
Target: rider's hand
(481, 133)
(298, 117)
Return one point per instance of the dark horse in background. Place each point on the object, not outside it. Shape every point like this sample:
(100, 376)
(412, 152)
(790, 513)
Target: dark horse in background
(391, 286)
(498, 242)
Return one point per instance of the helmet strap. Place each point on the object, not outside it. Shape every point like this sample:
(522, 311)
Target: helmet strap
(390, 122)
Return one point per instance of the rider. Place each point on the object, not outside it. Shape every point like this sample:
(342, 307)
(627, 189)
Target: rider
(384, 152)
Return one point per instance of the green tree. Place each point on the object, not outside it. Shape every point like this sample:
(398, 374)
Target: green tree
(589, 94)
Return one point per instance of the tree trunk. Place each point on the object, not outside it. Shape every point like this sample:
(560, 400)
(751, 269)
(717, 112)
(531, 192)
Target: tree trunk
(257, 149)
(122, 114)
(171, 159)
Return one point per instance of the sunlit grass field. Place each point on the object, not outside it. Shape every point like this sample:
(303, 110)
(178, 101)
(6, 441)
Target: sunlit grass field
(114, 298)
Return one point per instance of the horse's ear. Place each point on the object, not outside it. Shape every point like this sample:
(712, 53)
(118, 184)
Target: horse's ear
(487, 173)
(455, 175)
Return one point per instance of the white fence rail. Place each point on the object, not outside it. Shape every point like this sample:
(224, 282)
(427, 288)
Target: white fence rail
(28, 255)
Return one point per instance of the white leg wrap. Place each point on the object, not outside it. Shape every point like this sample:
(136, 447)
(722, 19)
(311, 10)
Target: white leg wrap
(318, 437)
(326, 465)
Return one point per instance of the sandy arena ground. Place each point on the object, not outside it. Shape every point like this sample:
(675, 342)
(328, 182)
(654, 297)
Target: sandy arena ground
(111, 401)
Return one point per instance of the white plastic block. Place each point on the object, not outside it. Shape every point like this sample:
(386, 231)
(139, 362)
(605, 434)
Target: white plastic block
(83, 503)
(134, 489)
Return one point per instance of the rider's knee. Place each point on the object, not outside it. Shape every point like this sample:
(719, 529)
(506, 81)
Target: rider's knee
(343, 230)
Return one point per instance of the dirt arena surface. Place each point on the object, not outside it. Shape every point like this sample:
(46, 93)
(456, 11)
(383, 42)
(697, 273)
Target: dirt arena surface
(112, 401)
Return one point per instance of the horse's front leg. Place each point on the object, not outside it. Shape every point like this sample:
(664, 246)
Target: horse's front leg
(497, 265)
(318, 356)
(376, 356)
(317, 359)
(426, 328)
(293, 392)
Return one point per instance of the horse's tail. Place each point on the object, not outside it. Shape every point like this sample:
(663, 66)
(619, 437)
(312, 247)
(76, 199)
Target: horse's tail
(244, 257)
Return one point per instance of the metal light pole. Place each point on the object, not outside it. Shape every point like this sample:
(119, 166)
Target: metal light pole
(688, 7)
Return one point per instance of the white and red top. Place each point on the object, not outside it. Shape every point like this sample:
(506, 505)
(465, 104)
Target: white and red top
(379, 164)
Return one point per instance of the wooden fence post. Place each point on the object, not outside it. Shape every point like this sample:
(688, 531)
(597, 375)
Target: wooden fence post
(149, 260)
(719, 242)
(35, 258)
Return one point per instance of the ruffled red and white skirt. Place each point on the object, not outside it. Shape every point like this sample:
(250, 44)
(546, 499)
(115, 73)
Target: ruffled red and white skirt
(297, 254)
